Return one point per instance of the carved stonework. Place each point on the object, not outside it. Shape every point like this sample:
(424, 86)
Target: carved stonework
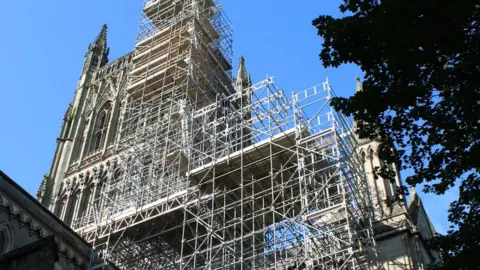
(97, 172)
(69, 113)
(90, 100)
(55, 199)
(43, 188)
(68, 186)
(111, 164)
(92, 158)
(41, 255)
(81, 164)
(81, 181)
(36, 230)
(72, 169)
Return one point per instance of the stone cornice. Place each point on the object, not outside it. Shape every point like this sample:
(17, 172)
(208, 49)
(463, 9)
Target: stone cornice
(30, 213)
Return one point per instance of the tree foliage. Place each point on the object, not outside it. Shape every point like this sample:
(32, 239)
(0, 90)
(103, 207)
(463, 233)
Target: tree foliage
(421, 64)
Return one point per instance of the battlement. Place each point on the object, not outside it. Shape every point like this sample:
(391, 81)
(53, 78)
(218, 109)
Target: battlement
(113, 67)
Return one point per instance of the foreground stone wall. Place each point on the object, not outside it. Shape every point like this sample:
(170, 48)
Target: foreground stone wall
(31, 237)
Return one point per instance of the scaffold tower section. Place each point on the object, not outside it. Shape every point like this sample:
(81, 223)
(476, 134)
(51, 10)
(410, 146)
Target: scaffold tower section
(213, 175)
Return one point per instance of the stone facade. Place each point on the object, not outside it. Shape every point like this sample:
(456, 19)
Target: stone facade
(85, 147)
(31, 237)
(86, 156)
(401, 229)
(42, 254)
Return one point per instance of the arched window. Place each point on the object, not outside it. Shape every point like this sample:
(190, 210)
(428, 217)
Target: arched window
(85, 132)
(371, 155)
(87, 205)
(78, 150)
(3, 242)
(76, 207)
(118, 175)
(363, 156)
(6, 239)
(63, 208)
(103, 119)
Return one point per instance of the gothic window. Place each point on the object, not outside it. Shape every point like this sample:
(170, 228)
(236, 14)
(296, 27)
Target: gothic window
(119, 123)
(76, 154)
(6, 239)
(371, 156)
(118, 176)
(63, 208)
(85, 129)
(3, 242)
(87, 206)
(103, 119)
(76, 206)
(130, 119)
(94, 62)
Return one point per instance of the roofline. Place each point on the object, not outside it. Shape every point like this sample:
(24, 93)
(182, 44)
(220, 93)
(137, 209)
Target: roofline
(31, 198)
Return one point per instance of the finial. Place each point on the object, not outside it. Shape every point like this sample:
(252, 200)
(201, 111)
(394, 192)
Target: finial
(243, 79)
(242, 60)
(413, 192)
(359, 84)
(101, 40)
(103, 32)
(99, 46)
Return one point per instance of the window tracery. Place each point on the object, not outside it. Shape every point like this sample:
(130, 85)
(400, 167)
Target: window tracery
(76, 205)
(103, 119)
(87, 206)
(63, 207)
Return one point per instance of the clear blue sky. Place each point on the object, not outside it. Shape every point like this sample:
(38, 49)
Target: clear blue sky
(43, 44)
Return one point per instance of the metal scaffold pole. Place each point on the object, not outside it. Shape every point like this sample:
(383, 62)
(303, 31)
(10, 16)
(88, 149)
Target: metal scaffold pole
(213, 175)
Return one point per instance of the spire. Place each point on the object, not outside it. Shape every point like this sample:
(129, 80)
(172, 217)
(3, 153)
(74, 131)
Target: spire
(243, 79)
(413, 196)
(359, 85)
(413, 192)
(99, 47)
(101, 40)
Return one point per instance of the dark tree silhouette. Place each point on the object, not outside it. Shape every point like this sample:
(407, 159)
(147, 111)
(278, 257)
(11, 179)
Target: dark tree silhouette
(421, 64)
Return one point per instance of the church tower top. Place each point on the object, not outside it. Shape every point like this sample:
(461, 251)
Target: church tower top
(101, 39)
(243, 80)
(99, 46)
(97, 54)
(359, 87)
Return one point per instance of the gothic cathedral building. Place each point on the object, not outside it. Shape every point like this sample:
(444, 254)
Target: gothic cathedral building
(88, 148)
(401, 229)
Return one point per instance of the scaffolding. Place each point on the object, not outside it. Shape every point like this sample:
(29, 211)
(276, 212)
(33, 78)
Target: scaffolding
(212, 176)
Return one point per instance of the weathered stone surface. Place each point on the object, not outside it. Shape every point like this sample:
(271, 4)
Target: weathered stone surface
(39, 255)
(35, 234)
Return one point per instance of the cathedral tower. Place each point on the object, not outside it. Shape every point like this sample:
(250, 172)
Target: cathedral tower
(87, 132)
(382, 191)
(401, 229)
(168, 161)
(95, 57)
